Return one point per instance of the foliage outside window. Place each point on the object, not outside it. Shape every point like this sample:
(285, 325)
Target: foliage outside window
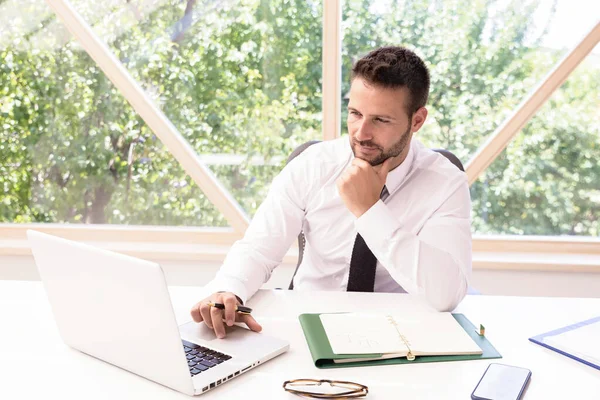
(244, 78)
(238, 78)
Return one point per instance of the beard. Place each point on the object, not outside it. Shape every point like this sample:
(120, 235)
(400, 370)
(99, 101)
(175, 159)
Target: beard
(377, 159)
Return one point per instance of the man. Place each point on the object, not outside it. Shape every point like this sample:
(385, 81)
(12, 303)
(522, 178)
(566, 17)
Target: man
(380, 212)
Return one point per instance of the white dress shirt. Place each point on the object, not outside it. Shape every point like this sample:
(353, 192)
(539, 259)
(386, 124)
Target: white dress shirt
(420, 233)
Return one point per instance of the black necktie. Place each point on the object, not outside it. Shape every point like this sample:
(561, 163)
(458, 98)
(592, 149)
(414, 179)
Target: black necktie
(363, 263)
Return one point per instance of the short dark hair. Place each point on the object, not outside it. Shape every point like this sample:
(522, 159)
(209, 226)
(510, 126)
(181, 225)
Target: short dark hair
(395, 67)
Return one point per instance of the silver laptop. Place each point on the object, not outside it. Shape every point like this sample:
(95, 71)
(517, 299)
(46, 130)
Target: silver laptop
(117, 308)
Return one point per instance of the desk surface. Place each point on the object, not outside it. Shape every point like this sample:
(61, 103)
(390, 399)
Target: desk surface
(35, 364)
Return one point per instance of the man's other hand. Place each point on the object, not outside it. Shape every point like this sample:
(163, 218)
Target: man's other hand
(213, 317)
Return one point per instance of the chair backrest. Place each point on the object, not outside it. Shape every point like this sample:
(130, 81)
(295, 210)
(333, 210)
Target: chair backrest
(451, 157)
(301, 240)
(300, 149)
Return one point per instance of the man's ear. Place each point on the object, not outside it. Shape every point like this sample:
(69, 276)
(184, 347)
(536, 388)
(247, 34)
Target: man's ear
(418, 119)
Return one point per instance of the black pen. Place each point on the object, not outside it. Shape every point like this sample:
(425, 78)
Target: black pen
(240, 309)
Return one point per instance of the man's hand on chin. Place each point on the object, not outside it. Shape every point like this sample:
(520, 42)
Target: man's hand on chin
(361, 184)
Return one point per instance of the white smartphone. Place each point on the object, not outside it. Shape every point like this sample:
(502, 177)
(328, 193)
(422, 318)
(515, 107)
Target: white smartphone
(502, 382)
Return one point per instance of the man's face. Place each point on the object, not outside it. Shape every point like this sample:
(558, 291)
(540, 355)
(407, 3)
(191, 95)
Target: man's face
(378, 124)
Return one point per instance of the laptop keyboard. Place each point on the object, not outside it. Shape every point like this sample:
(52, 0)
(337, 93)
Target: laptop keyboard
(201, 358)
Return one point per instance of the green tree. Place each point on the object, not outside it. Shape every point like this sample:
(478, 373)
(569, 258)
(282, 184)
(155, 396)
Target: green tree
(235, 79)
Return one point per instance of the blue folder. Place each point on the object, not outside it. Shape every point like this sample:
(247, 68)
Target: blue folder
(539, 339)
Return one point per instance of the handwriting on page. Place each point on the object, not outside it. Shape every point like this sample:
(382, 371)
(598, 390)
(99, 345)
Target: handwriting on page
(358, 334)
(357, 341)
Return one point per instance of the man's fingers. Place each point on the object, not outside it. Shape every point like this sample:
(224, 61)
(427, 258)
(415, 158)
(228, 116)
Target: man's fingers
(251, 323)
(360, 163)
(217, 322)
(195, 313)
(230, 306)
(345, 177)
(342, 181)
(218, 318)
(205, 314)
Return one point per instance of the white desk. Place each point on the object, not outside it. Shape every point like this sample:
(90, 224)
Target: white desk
(35, 364)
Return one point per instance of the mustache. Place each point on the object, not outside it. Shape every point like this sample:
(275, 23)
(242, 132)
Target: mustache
(366, 143)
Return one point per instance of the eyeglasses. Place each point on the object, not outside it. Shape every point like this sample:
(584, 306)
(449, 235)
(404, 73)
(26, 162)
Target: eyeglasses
(336, 389)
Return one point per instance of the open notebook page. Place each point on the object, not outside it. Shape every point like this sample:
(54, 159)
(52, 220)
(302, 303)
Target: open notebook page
(361, 334)
(427, 334)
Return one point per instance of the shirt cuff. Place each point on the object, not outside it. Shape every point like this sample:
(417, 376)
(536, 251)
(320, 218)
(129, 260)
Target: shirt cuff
(227, 284)
(377, 222)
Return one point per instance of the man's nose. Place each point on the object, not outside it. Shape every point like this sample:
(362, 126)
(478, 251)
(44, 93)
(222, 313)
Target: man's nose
(364, 132)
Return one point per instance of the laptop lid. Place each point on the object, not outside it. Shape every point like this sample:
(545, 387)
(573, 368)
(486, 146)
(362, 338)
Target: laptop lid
(113, 307)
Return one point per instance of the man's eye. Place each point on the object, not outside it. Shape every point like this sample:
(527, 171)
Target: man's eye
(354, 113)
(382, 120)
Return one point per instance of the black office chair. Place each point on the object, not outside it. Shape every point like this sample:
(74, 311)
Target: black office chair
(301, 240)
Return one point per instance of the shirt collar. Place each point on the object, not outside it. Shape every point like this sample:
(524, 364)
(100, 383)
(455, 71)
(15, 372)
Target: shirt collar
(397, 175)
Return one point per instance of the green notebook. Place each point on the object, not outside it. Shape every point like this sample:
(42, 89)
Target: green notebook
(323, 356)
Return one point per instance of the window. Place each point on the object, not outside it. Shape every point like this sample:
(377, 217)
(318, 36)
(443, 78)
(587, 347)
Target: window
(73, 150)
(239, 80)
(546, 181)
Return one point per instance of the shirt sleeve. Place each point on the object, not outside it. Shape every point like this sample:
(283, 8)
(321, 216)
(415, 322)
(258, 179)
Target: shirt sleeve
(436, 262)
(276, 224)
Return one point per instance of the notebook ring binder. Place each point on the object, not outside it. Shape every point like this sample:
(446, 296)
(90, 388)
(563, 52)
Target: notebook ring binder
(409, 356)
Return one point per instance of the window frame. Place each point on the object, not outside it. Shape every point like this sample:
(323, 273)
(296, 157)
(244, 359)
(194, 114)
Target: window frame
(13, 236)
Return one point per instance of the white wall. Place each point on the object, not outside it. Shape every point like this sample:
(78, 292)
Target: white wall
(494, 282)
